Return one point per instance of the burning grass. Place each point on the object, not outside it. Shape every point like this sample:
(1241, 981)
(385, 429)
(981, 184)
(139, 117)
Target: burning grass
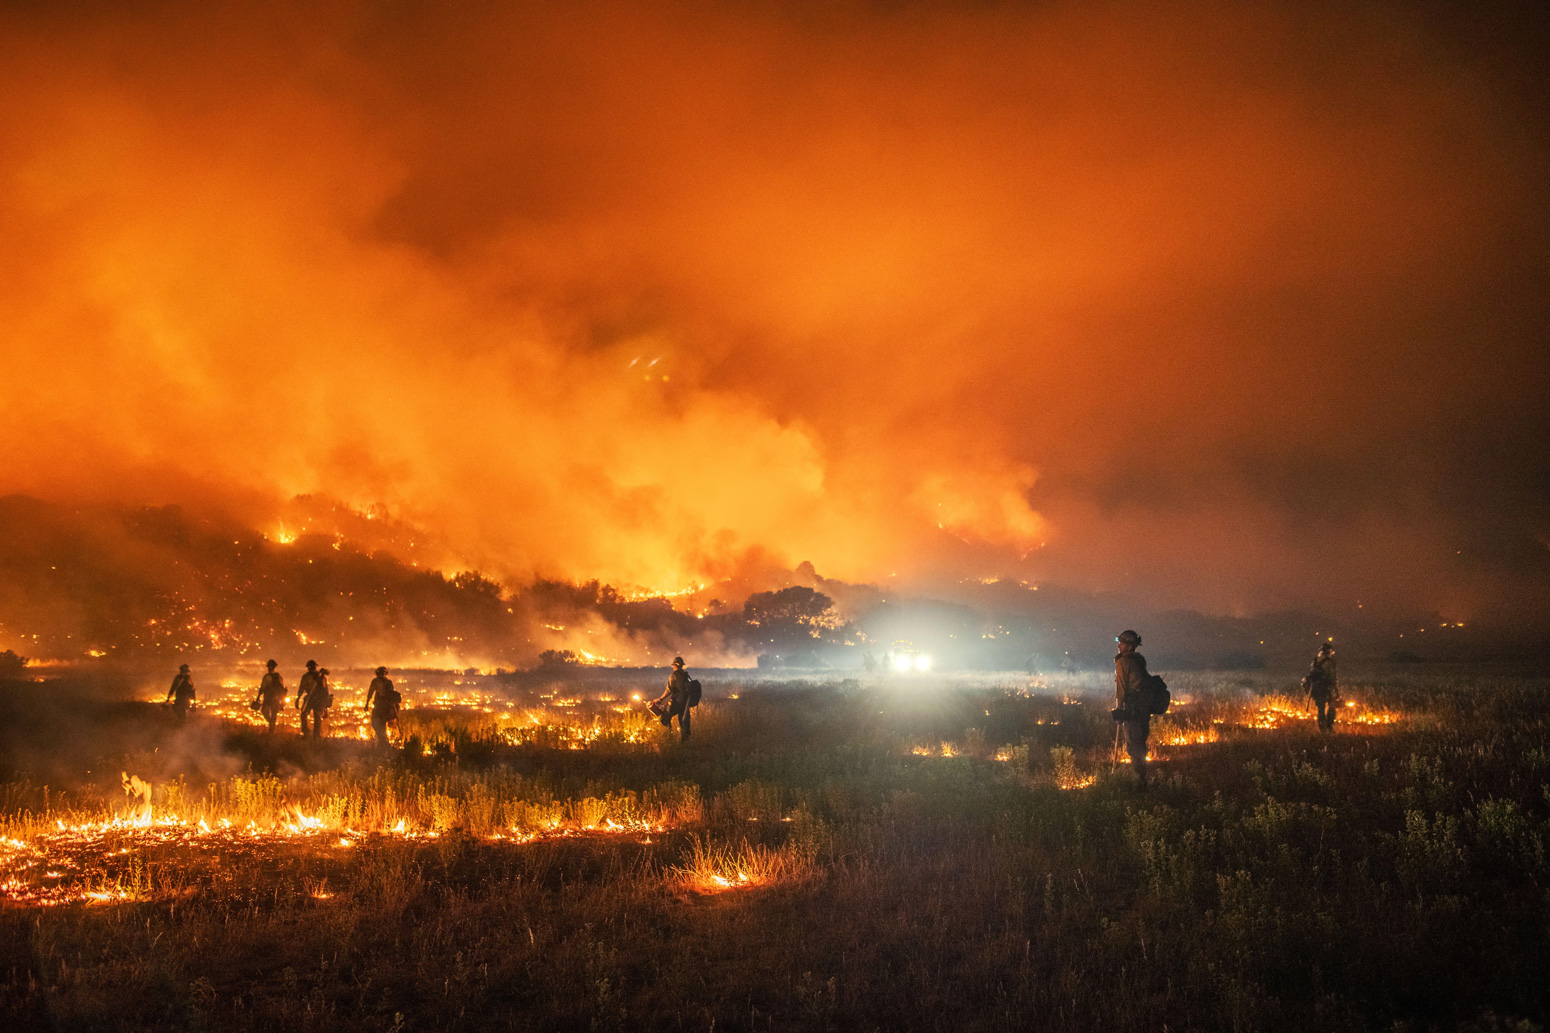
(712, 869)
(1213, 713)
(440, 708)
(55, 858)
(797, 862)
(386, 802)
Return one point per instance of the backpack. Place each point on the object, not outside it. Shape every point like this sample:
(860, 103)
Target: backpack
(694, 692)
(1157, 695)
(1318, 684)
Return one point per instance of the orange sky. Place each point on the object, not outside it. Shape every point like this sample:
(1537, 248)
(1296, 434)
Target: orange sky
(1221, 308)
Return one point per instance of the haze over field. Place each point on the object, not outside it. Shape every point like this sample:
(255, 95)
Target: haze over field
(1204, 307)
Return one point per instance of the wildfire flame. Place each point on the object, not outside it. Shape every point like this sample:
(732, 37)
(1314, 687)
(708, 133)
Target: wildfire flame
(52, 868)
(1190, 736)
(431, 708)
(712, 871)
(139, 792)
(721, 882)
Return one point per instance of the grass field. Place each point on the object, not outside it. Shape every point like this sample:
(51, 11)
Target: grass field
(851, 855)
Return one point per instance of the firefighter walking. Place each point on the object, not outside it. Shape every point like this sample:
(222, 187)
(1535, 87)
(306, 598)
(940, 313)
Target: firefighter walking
(271, 695)
(1321, 683)
(679, 699)
(181, 694)
(312, 698)
(1133, 700)
(382, 701)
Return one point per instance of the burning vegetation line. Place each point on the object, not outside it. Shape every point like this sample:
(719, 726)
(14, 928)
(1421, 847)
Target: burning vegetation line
(63, 858)
(441, 710)
(1190, 722)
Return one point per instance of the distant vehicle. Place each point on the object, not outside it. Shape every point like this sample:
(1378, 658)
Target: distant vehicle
(906, 660)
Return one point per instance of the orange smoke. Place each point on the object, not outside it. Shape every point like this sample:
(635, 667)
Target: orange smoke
(651, 293)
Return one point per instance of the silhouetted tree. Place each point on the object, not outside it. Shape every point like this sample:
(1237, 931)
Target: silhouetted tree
(791, 618)
(558, 658)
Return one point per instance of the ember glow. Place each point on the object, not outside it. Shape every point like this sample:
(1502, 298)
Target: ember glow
(713, 870)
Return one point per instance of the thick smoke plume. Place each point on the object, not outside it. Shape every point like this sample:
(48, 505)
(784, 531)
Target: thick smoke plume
(1216, 307)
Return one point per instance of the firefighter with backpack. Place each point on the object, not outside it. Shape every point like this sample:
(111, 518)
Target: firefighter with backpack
(270, 700)
(314, 698)
(1320, 683)
(680, 699)
(382, 700)
(1137, 696)
(181, 695)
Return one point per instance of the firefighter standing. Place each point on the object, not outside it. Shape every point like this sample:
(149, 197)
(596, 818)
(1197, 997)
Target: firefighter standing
(181, 694)
(312, 698)
(677, 694)
(1322, 686)
(1132, 699)
(382, 700)
(271, 695)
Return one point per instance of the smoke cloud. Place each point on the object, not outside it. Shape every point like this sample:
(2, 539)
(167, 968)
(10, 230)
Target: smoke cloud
(1217, 307)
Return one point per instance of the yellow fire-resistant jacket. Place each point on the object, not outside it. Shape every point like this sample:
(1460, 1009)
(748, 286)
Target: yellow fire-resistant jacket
(1130, 683)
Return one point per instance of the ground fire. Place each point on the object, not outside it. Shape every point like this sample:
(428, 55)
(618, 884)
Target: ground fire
(635, 515)
(55, 859)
